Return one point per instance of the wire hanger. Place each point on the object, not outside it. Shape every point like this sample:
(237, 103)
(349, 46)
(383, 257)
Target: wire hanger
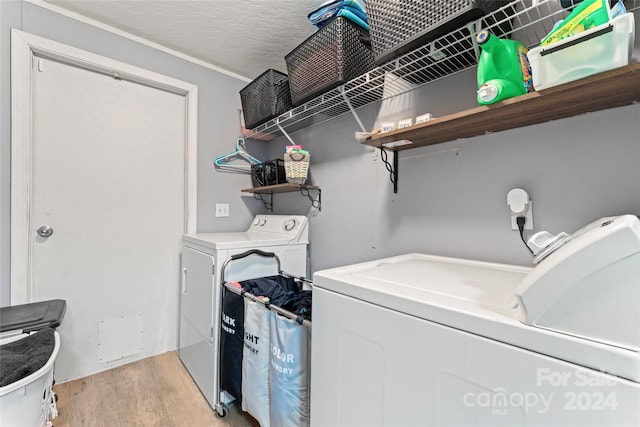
(222, 162)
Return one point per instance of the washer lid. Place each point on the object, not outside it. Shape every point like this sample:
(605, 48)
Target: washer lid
(472, 296)
(407, 283)
(242, 239)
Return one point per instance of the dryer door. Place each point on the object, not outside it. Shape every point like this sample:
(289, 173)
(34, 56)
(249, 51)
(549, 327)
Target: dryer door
(196, 296)
(196, 319)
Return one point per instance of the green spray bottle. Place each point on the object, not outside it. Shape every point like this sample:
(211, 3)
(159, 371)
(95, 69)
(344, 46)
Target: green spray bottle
(503, 69)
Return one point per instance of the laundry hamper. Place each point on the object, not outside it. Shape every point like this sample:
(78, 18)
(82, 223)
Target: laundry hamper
(296, 166)
(26, 378)
(231, 343)
(255, 362)
(276, 356)
(290, 372)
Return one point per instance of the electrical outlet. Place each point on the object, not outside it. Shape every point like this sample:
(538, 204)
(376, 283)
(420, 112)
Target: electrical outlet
(222, 209)
(528, 225)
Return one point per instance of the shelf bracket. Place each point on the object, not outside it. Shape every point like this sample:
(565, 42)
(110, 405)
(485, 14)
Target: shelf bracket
(474, 28)
(393, 169)
(316, 203)
(355, 115)
(284, 132)
(269, 204)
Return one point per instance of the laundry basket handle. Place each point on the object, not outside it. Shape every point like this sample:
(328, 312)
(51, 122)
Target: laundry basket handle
(302, 156)
(252, 252)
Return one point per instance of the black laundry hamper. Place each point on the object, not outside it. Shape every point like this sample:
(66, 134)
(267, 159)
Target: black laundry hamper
(231, 343)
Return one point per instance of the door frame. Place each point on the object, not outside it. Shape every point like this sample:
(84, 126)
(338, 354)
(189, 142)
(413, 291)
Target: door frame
(25, 48)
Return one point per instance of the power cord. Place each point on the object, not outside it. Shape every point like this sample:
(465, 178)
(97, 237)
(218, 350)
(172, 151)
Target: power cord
(521, 220)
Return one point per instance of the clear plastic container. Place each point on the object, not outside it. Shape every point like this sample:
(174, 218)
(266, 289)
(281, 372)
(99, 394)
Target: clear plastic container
(599, 49)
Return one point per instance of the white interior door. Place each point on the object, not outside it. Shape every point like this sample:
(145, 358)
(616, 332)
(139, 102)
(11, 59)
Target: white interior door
(108, 177)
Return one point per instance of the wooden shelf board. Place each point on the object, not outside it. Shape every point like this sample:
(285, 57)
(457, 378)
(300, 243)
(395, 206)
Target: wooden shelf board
(610, 89)
(279, 188)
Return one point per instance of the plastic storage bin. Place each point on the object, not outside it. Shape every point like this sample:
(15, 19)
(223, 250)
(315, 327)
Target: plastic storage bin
(29, 400)
(599, 49)
(266, 97)
(399, 26)
(338, 52)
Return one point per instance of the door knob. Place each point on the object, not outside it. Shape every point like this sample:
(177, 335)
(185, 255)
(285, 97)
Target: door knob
(45, 231)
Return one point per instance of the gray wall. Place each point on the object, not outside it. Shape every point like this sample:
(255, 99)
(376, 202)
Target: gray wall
(452, 196)
(218, 123)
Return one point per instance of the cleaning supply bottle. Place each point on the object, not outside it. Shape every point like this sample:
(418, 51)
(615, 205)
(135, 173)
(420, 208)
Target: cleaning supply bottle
(503, 69)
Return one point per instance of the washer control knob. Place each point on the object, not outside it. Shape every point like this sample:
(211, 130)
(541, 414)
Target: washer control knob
(289, 224)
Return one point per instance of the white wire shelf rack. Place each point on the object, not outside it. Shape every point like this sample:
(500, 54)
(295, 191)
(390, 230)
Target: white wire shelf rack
(527, 21)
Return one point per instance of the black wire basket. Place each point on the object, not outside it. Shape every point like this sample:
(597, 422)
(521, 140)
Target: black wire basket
(266, 97)
(271, 172)
(336, 53)
(400, 26)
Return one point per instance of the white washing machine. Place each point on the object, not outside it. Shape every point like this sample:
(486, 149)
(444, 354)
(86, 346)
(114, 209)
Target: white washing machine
(200, 301)
(420, 340)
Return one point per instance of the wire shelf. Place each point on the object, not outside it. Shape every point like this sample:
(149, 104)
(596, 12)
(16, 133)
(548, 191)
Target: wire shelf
(527, 21)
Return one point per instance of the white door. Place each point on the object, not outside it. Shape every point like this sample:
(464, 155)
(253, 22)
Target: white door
(108, 177)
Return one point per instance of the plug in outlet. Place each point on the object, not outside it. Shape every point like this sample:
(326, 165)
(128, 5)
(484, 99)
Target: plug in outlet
(222, 209)
(520, 205)
(528, 225)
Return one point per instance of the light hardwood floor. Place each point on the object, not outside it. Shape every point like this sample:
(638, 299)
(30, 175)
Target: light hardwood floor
(157, 391)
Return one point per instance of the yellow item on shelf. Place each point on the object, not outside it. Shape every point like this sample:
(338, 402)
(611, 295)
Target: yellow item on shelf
(587, 15)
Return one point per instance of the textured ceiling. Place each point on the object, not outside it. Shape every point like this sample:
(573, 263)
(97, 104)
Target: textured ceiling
(246, 37)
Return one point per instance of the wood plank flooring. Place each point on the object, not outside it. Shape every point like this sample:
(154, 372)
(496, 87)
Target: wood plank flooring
(157, 391)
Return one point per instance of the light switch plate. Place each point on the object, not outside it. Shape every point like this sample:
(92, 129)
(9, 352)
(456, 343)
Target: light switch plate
(222, 209)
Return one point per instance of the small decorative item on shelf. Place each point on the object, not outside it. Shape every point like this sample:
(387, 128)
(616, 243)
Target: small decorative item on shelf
(266, 97)
(296, 165)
